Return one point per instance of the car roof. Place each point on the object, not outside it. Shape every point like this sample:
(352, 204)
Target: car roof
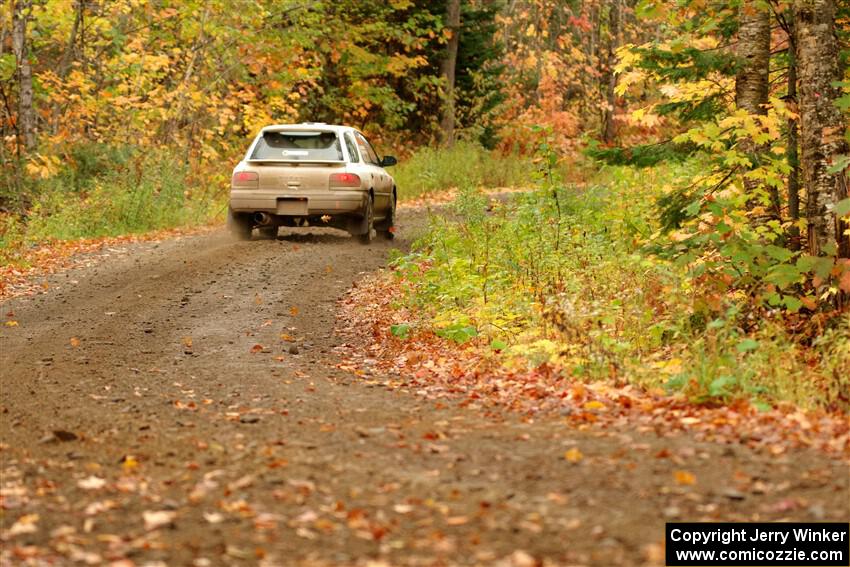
(308, 126)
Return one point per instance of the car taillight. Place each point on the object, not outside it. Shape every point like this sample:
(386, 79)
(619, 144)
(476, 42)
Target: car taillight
(245, 176)
(344, 180)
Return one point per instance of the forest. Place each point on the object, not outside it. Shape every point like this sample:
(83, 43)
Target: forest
(696, 150)
(689, 159)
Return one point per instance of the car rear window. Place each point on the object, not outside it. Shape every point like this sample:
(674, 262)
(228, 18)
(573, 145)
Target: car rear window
(298, 146)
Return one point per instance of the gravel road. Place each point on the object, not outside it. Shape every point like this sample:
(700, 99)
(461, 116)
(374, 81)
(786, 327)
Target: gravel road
(177, 403)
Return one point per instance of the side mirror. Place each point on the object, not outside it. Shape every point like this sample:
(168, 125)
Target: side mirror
(388, 161)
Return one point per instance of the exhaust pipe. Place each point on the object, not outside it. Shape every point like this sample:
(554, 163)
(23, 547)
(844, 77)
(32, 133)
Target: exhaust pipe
(262, 219)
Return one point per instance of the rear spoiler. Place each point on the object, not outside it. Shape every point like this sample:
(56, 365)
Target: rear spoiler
(281, 161)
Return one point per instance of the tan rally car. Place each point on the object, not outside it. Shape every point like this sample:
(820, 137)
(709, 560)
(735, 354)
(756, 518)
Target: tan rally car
(312, 174)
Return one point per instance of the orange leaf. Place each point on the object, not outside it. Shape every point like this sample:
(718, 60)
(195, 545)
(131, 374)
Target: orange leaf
(129, 463)
(75, 342)
(573, 455)
(684, 478)
(256, 348)
(844, 282)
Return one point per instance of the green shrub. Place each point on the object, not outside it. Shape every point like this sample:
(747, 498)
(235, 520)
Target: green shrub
(466, 163)
(560, 274)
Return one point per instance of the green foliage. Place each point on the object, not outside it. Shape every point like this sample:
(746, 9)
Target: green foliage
(562, 274)
(380, 67)
(466, 163)
(458, 332)
(401, 331)
(643, 155)
(480, 70)
(111, 191)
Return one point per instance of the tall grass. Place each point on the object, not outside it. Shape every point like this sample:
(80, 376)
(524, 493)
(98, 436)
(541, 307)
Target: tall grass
(109, 192)
(464, 164)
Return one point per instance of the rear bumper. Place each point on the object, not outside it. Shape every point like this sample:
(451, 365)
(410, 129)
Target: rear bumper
(318, 202)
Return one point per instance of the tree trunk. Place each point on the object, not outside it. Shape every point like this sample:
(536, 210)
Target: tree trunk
(791, 151)
(751, 86)
(26, 117)
(751, 82)
(821, 124)
(68, 55)
(447, 122)
(608, 128)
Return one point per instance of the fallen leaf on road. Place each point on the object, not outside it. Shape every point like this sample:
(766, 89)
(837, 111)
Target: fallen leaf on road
(521, 558)
(11, 323)
(256, 348)
(92, 483)
(308, 516)
(129, 463)
(75, 342)
(154, 520)
(684, 478)
(573, 455)
(24, 525)
(99, 506)
(243, 482)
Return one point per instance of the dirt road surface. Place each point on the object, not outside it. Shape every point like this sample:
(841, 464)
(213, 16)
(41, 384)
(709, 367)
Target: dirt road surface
(178, 404)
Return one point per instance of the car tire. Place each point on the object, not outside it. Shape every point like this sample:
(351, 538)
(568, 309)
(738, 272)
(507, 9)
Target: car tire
(269, 232)
(387, 226)
(240, 226)
(366, 229)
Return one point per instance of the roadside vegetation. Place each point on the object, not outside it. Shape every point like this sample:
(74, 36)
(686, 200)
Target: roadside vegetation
(579, 276)
(107, 192)
(466, 164)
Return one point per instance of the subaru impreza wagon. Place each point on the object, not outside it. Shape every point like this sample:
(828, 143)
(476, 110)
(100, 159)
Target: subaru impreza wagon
(312, 174)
